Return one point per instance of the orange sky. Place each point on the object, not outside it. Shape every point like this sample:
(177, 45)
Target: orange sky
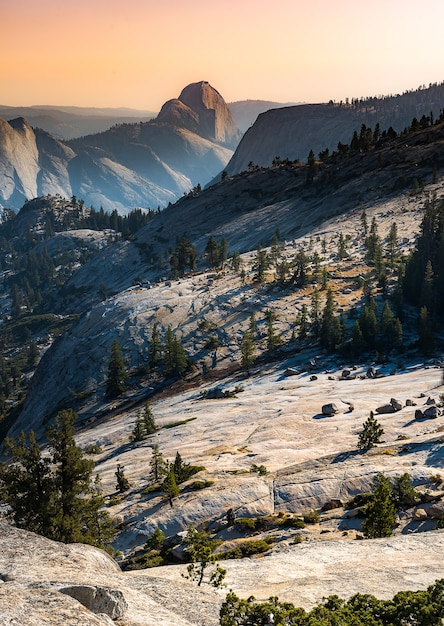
(140, 53)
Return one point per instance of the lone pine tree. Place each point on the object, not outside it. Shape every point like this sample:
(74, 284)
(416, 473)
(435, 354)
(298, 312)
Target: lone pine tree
(115, 384)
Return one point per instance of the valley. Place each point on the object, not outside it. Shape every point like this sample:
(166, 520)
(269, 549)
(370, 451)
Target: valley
(276, 474)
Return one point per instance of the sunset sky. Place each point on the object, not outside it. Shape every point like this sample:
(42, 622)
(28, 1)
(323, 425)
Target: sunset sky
(140, 53)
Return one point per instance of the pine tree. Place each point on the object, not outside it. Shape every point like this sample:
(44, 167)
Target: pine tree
(380, 512)
(122, 483)
(155, 348)
(139, 430)
(175, 361)
(55, 495)
(148, 420)
(157, 465)
(72, 478)
(28, 486)
(315, 313)
(371, 433)
(330, 326)
(247, 351)
(203, 561)
(115, 384)
(169, 485)
(260, 265)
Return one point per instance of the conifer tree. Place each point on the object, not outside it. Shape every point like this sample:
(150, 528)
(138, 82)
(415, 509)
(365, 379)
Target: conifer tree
(115, 384)
(155, 348)
(330, 325)
(169, 485)
(148, 420)
(55, 495)
(247, 351)
(122, 483)
(371, 433)
(157, 465)
(380, 512)
(139, 430)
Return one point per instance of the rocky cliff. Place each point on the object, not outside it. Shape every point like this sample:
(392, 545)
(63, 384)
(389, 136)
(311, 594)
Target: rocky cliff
(130, 165)
(291, 132)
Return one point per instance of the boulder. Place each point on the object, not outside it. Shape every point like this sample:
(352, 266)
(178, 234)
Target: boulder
(329, 409)
(313, 377)
(332, 504)
(432, 412)
(111, 602)
(430, 401)
(419, 414)
(345, 374)
(385, 408)
(436, 511)
(420, 515)
(396, 404)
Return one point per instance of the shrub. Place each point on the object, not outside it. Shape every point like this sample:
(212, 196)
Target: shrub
(297, 539)
(200, 484)
(312, 517)
(245, 523)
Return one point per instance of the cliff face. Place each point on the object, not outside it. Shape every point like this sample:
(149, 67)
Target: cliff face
(129, 165)
(291, 132)
(19, 164)
(202, 109)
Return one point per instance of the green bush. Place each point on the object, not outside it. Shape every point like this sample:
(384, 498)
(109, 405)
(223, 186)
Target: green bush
(245, 523)
(312, 517)
(200, 484)
(247, 548)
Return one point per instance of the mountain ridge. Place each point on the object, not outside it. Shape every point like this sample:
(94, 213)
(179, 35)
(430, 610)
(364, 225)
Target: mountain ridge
(130, 165)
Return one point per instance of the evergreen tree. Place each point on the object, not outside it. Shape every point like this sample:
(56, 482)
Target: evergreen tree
(426, 335)
(122, 483)
(72, 478)
(371, 433)
(380, 512)
(148, 420)
(212, 252)
(157, 465)
(115, 384)
(247, 351)
(139, 430)
(315, 313)
(260, 265)
(302, 323)
(392, 245)
(27, 485)
(175, 361)
(169, 485)
(155, 347)
(330, 325)
(203, 561)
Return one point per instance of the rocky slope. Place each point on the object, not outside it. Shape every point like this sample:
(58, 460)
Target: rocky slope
(291, 132)
(130, 165)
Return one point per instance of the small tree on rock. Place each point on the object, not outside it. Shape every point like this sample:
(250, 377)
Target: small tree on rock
(371, 433)
(380, 509)
(203, 561)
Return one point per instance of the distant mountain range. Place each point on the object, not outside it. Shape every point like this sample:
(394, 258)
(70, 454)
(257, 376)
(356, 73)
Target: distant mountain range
(193, 139)
(142, 164)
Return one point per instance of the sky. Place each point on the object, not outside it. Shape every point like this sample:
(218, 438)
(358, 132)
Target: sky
(141, 53)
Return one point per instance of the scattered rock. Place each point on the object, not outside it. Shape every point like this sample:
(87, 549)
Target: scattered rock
(436, 511)
(430, 401)
(291, 371)
(313, 377)
(396, 404)
(385, 408)
(332, 504)
(98, 599)
(420, 515)
(329, 409)
(432, 412)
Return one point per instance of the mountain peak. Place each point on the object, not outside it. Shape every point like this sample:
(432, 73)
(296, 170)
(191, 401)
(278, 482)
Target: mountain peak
(203, 110)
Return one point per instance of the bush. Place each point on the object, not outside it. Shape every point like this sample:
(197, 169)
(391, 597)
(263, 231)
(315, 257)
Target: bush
(245, 523)
(312, 517)
(297, 539)
(200, 484)
(247, 548)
